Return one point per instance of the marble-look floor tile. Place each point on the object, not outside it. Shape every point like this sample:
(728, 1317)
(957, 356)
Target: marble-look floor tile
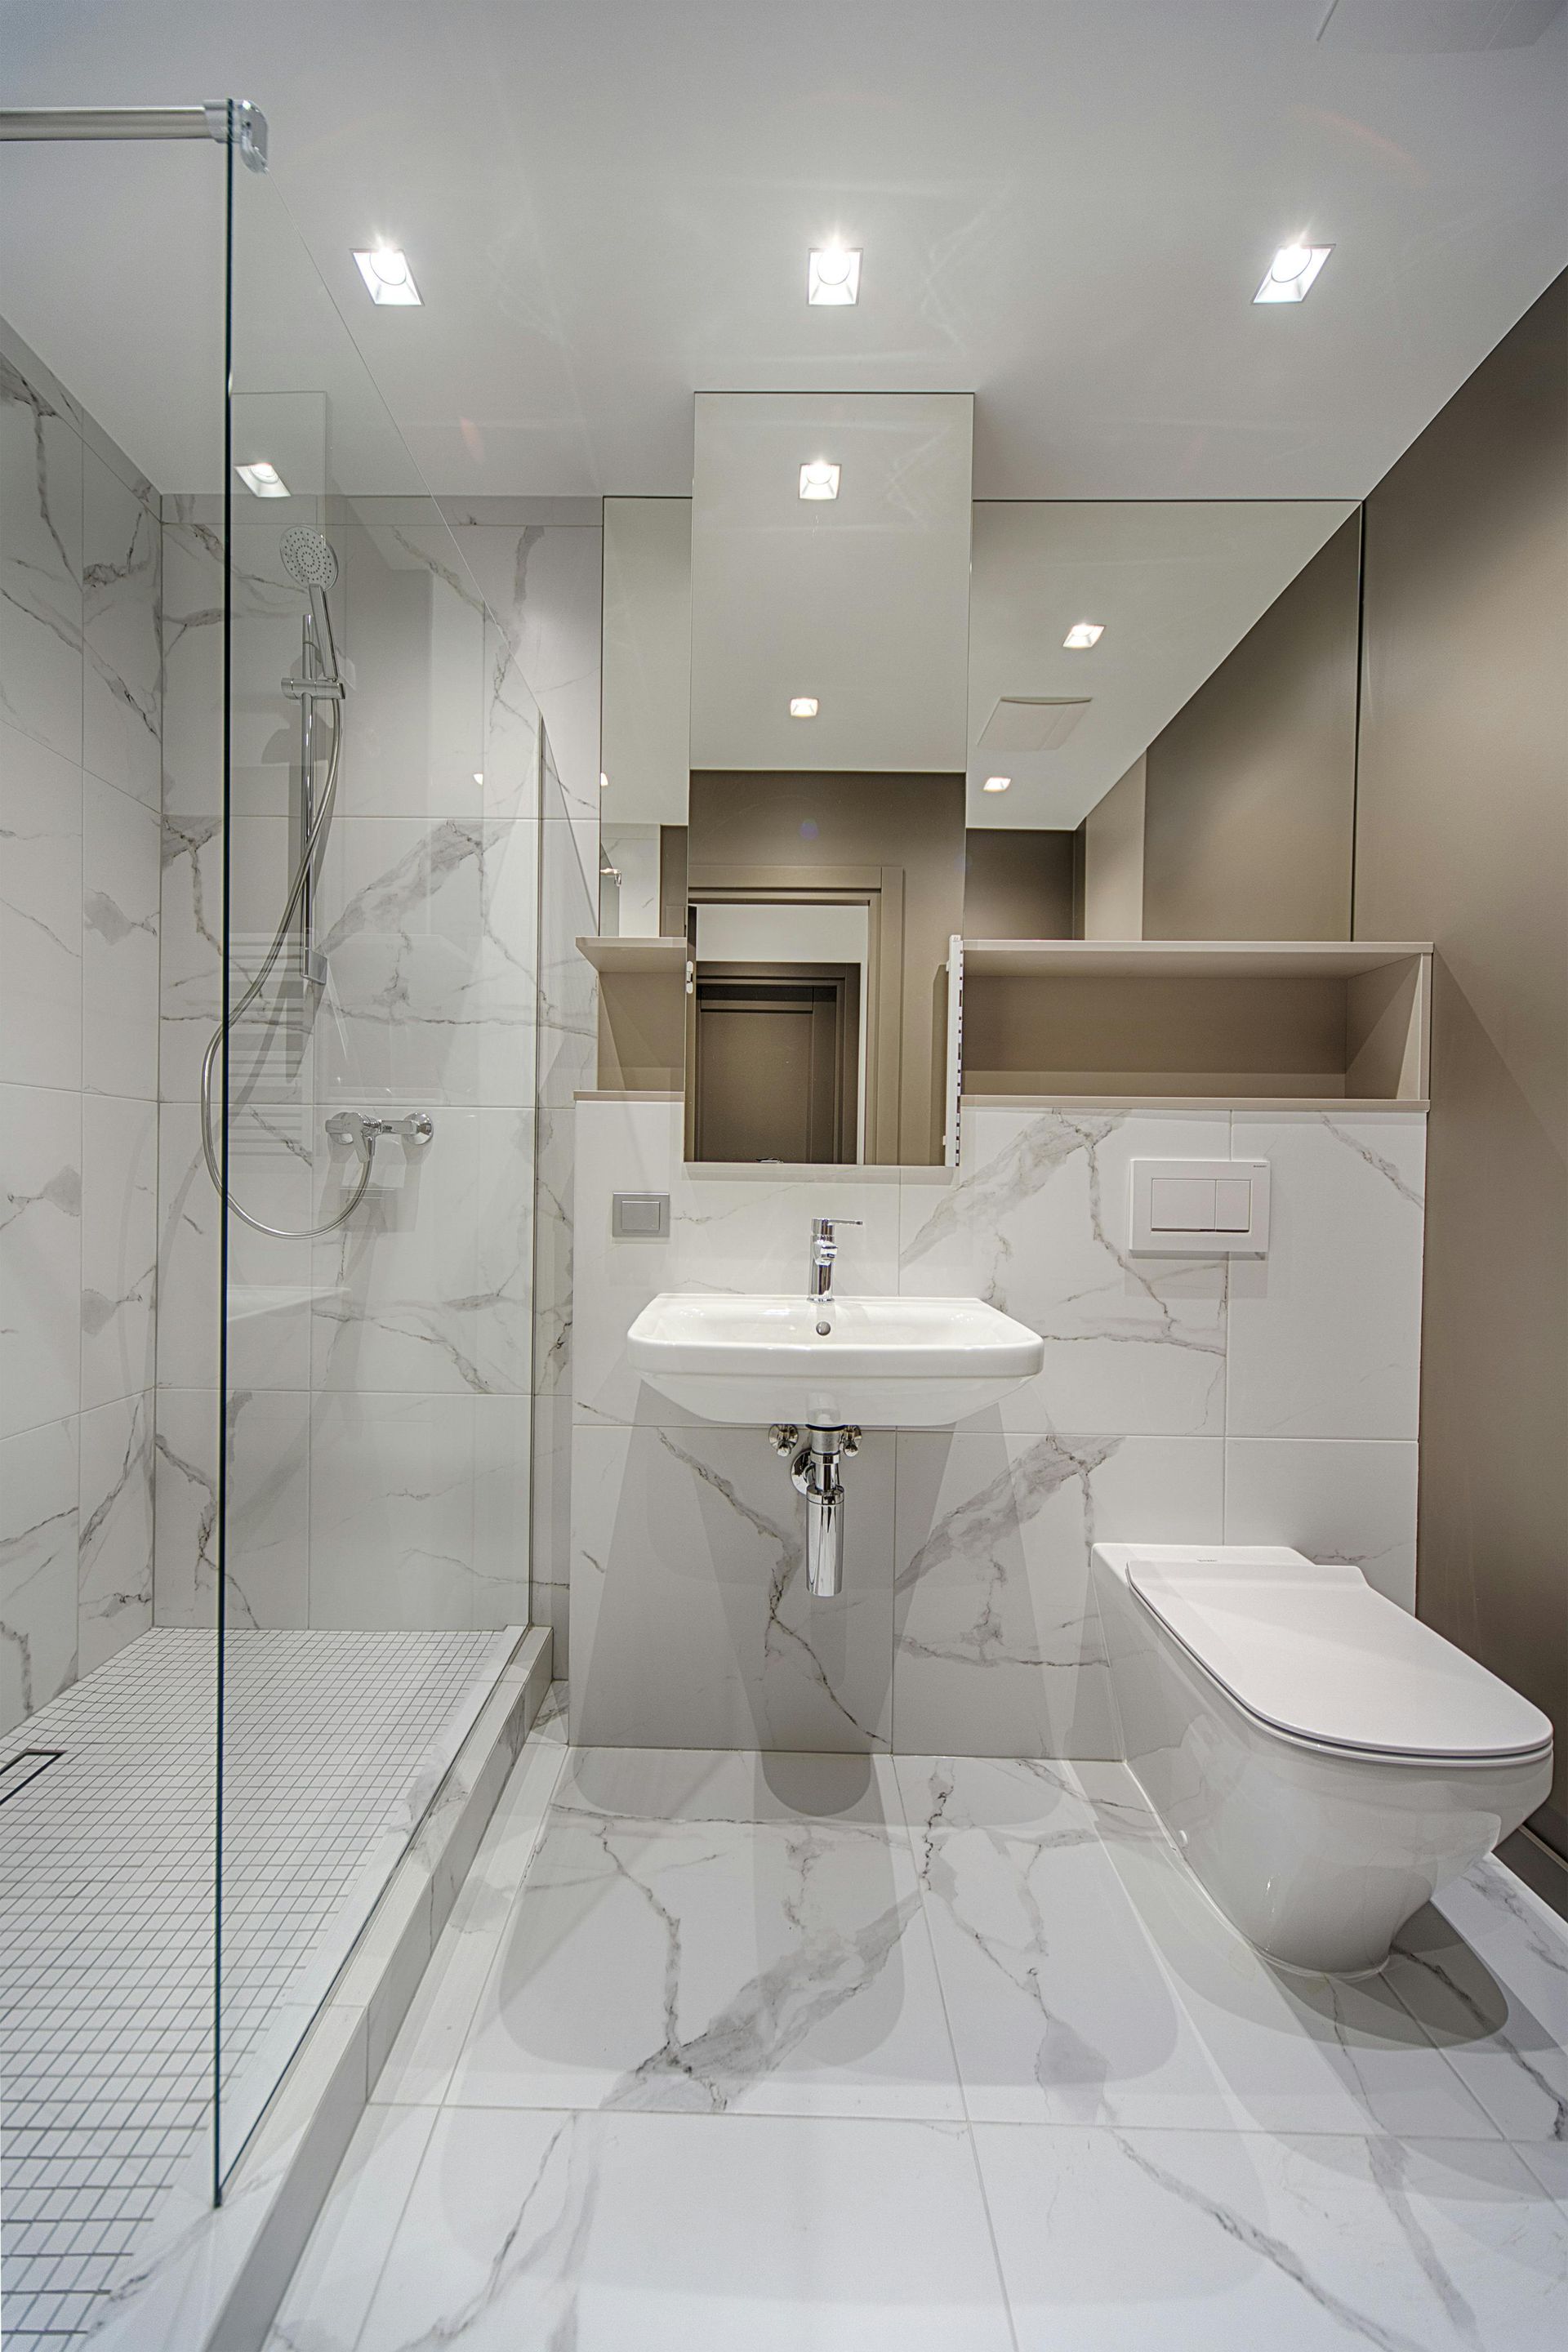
(1038, 1221)
(118, 1247)
(1296, 2053)
(40, 1255)
(121, 842)
(114, 1574)
(1485, 1969)
(1325, 1331)
(707, 1966)
(998, 1644)
(1059, 2007)
(41, 564)
(325, 2302)
(691, 1623)
(122, 669)
(677, 2233)
(1333, 1498)
(37, 1568)
(1114, 2241)
(41, 913)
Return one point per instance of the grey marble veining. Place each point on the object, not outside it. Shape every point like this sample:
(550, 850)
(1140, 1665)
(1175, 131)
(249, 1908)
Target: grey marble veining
(39, 1620)
(41, 564)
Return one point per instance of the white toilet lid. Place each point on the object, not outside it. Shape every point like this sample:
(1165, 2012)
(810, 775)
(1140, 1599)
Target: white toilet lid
(1313, 1651)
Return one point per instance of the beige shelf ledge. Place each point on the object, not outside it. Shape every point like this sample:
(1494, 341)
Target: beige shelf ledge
(1185, 959)
(634, 955)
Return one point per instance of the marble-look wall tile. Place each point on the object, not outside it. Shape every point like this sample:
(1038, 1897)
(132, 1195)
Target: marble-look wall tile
(998, 1650)
(392, 1490)
(556, 1139)
(413, 624)
(118, 1247)
(270, 1281)
(114, 1572)
(40, 1255)
(542, 582)
(41, 564)
(1333, 1498)
(568, 998)
(40, 914)
(502, 1473)
(429, 1285)
(122, 669)
(37, 1568)
(121, 846)
(691, 1623)
(1325, 1331)
(1038, 1221)
(268, 610)
(511, 755)
(266, 1540)
(551, 1554)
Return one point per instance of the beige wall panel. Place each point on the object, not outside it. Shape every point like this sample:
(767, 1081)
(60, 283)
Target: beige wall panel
(1462, 837)
(1112, 886)
(1250, 791)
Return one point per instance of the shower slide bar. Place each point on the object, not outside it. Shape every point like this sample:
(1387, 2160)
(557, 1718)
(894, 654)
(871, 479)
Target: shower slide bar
(223, 119)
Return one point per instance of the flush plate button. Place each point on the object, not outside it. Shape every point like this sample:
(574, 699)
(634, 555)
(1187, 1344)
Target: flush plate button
(1200, 1208)
(639, 1216)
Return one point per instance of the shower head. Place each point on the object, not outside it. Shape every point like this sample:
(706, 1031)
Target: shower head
(311, 562)
(308, 556)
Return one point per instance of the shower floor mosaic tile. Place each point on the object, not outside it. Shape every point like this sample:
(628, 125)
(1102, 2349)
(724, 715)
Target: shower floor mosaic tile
(334, 1743)
(826, 2054)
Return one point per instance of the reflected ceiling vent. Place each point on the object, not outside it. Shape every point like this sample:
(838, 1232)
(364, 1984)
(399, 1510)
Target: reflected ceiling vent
(1031, 723)
(1435, 27)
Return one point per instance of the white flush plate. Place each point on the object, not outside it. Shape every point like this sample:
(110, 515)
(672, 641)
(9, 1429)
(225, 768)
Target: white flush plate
(1200, 1208)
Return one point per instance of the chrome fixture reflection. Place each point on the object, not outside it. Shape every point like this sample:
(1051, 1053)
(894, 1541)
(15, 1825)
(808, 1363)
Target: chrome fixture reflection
(308, 559)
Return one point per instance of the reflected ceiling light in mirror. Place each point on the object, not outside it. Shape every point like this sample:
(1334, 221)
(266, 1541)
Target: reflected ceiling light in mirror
(386, 274)
(1291, 272)
(819, 480)
(803, 706)
(263, 481)
(833, 275)
(604, 782)
(996, 783)
(1082, 635)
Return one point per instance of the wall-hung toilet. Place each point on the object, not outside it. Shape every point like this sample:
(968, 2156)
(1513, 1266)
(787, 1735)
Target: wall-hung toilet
(1323, 1760)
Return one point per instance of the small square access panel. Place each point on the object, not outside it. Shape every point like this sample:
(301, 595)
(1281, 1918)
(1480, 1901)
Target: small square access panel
(639, 1216)
(1200, 1208)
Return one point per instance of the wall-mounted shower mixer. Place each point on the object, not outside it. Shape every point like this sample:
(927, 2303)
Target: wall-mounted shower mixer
(813, 1470)
(365, 1131)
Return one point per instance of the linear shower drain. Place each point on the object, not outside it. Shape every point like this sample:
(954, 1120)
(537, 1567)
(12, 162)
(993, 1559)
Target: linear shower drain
(25, 1766)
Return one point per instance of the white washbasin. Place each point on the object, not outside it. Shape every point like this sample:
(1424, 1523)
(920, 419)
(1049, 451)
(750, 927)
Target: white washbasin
(889, 1363)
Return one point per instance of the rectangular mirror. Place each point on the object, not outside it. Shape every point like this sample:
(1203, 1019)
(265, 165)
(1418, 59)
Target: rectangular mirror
(1034, 720)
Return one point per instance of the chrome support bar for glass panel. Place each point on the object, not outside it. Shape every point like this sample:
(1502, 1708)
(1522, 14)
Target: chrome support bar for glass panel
(250, 124)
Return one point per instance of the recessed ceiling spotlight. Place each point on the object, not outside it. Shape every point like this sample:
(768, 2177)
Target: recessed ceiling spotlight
(263, 479)
(385, 271)
(833, 274)
(1082, 635)
(819, 480)
(996, 783)
(604, 782)
(479, 775)
(803, 706)
(1291, 272)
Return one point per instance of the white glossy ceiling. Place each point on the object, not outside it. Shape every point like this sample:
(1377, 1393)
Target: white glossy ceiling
(1065, 209)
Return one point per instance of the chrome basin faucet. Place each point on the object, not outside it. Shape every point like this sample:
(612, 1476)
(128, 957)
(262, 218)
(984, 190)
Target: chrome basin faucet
(824, 1250)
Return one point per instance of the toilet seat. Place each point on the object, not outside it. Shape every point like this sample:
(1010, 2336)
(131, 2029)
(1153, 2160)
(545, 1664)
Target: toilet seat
(1312, 1653)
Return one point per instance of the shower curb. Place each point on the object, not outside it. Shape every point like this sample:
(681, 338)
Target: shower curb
(210, 2280)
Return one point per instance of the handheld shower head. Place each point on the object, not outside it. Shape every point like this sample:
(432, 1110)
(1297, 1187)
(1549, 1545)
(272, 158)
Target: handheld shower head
(309, 559)
(308, 556)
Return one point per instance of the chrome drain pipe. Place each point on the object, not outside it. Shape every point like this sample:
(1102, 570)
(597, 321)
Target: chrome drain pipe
(813, 1471)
